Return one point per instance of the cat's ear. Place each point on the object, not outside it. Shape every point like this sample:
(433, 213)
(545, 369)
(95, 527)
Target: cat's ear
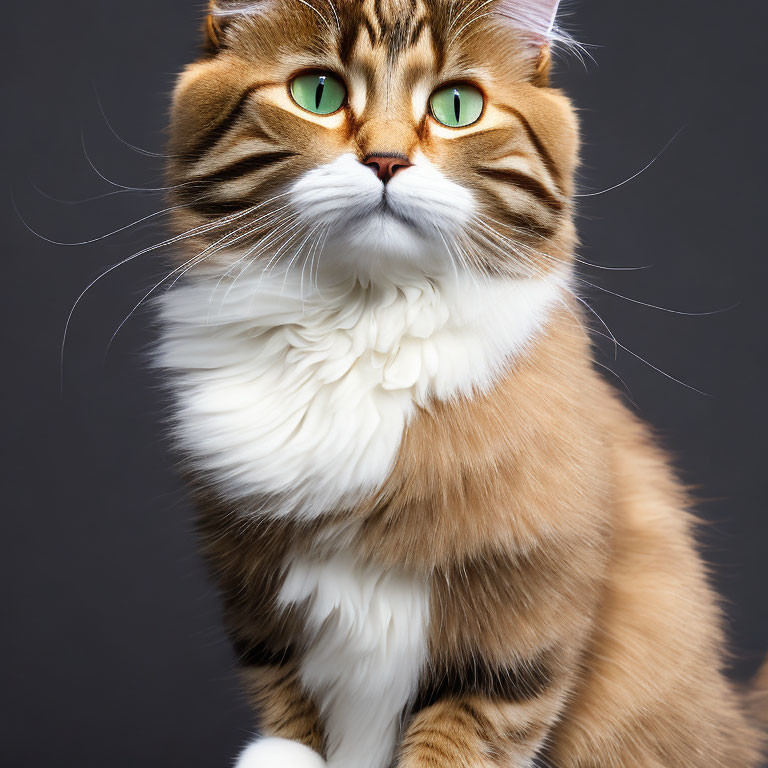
(533, 17)
(220, 14)
(536, 20)
(213, 32)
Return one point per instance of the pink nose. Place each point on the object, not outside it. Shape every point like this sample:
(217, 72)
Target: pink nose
(386, 166)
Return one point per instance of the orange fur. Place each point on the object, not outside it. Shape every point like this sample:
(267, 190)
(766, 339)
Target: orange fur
(555, 537)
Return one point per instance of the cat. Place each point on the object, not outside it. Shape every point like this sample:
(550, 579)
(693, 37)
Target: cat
(442, 540)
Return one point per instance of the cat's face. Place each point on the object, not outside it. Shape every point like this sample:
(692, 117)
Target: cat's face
(376, 131)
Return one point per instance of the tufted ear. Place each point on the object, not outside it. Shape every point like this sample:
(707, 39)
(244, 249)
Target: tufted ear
(220, 13)
(536, 20)
(533, 17)
(212, 30)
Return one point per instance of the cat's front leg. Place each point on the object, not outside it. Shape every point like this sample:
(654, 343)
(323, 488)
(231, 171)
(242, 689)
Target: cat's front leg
(293, 736)
(478, 732)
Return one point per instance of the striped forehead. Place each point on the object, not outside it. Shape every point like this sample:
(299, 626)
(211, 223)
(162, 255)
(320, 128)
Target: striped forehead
(387, 27)
(387, 47)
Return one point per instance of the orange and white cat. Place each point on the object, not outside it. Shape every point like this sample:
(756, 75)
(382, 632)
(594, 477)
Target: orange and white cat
(442, 540)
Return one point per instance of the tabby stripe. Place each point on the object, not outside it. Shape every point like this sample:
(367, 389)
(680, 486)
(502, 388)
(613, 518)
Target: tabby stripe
(210, 207)
(416, 34)
(453, 738)
(287, 678)
(287, 715)
(432, 748)
(281, 711)
(526, 183)
(522, 734)
(218, 208)
(350, 30)
(536, 141)
(482, 722)
(382, 22)
(503, 135)
(242, 167)
(521, 221)
(262, 654)
(214, 134)
(370, 30)
(520, 683)
(439, 52)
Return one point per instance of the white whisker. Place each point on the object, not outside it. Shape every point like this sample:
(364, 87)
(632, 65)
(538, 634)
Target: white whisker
(275, 234)
(655, 368)
(297, 254)
(267, 218)
(171, 241)
(141, 151)
(98, 239)
(122, 187)
(634, 176)
(656, 306)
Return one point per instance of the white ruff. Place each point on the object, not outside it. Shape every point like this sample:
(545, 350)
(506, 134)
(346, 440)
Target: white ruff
(303, 400)
(368, 645)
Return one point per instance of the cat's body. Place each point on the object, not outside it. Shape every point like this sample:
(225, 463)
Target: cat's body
(441, 538)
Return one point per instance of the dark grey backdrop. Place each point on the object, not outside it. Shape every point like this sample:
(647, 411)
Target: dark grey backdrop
(110, 645)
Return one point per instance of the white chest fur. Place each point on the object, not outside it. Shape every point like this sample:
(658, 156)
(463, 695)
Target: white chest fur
(304, 399)
(368, 645)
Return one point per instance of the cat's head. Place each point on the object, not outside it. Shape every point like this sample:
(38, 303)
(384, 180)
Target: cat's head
(376, 132)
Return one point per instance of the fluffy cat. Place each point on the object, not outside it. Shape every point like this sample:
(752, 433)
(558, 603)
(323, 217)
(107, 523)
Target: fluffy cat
(441, 538)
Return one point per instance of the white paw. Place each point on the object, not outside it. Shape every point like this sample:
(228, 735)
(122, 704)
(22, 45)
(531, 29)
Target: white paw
(279, 753)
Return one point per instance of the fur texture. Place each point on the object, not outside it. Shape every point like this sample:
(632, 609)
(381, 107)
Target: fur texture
(367, 648)
(274, 753)
(303, 400)
(441, 538)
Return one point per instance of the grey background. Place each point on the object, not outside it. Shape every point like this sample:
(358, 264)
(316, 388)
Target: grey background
(110, 648)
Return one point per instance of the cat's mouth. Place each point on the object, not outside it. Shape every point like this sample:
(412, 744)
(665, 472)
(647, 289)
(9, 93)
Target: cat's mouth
(389, 218)
(387, 210)
(415, 211)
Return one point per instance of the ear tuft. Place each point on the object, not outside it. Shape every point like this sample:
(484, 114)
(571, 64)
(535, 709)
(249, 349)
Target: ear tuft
(220, 14)
(533, 17)
(212, 31)
(224, 8)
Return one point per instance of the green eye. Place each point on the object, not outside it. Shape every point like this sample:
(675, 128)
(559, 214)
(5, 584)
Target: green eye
(457, 106)
(321, 93)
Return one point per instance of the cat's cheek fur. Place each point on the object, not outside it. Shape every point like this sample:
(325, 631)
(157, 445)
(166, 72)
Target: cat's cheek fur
(279, 753)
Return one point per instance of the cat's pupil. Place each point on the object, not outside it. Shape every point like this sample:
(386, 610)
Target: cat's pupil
(319, 91)
(457, 104)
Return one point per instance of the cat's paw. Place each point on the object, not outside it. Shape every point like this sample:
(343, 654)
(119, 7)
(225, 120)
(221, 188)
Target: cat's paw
(279, 753)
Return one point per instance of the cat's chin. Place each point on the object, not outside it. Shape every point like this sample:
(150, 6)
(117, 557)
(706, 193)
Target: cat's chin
(384, 239)
(373, 227)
